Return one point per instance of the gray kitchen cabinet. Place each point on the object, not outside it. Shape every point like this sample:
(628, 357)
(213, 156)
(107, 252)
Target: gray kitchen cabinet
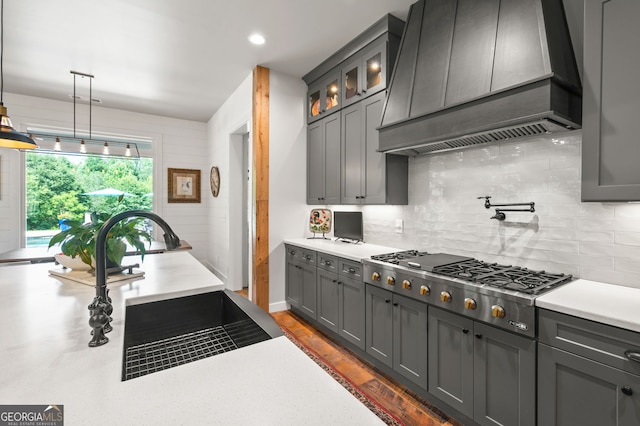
(323, 161)
(341, 298)
(328, 299)
(587, 374)
(366, 73)
(362, 69)
(397, 333)
(300, 280)
(369, 177)
(352, 311)
(410, 339)
(451, 359)
(485, 373)
(573, 390)
(323, 96)
(504, 373)
(610, 148)
(379, 328)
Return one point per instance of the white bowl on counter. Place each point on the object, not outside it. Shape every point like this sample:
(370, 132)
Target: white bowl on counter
(73, 263)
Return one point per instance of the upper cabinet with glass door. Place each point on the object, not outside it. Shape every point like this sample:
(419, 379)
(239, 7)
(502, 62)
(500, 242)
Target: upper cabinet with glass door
(324, 96)
(365, 74)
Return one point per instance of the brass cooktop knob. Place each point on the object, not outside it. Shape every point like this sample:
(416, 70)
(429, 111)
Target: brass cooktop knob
(445, 296)
(424, 290)
(469, 303)
(498, 311)
(375, 276)
(406, 284)
(391, 280)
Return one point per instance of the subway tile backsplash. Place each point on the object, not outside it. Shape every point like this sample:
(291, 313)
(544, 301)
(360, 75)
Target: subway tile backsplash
(594, 241)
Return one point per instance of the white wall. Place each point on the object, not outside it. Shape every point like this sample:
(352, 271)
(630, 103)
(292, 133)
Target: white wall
(287, 175)
(224, 223)
(177, 144)
(287, 179)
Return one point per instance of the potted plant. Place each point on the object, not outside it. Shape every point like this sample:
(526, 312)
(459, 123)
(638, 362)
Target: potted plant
(79, 239)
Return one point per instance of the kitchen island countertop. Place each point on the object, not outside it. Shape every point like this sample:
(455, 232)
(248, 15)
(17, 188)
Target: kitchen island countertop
(606, 303)
(46, 360)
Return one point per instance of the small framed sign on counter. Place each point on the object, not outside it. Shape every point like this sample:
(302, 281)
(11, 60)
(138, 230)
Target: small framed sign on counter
(184, 185)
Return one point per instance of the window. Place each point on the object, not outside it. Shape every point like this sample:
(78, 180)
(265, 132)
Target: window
(63, 187)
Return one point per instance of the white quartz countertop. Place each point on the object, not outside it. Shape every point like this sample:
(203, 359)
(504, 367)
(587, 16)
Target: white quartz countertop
(352, 251)
(45, 360)
(606, 303)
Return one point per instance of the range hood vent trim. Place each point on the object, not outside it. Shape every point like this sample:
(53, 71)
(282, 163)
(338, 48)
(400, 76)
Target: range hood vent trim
(544, 101)
(512, 133)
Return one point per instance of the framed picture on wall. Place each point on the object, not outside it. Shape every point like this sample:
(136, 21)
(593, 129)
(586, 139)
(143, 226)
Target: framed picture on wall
(184, 185)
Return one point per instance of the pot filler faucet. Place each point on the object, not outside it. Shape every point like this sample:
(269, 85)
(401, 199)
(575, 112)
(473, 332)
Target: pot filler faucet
(101, 307)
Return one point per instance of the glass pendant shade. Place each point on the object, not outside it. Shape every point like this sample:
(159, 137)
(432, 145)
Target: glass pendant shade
(9, 137)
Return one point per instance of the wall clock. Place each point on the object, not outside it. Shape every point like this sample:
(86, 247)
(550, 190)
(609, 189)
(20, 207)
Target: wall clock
(214, 178)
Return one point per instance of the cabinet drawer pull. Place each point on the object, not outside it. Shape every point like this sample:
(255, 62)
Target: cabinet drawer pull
(627, 390)
(478, 335)
(292, 252)
(327, 262)
(351, 271)
(465, 330)
(395, 304)
(632, 355)
(387, 300)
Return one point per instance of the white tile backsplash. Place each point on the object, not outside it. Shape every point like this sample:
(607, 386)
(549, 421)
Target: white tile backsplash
(596, 241)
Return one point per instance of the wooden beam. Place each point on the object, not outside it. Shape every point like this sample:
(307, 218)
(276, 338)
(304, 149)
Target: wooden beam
(260, 137)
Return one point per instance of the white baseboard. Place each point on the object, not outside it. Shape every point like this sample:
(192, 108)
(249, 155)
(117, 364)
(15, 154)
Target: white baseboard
(277, 307)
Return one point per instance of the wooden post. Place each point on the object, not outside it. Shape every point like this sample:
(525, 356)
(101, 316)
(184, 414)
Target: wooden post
(260, 137)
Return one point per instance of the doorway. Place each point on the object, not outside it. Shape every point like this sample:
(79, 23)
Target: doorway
(240, 212)
(246, 217)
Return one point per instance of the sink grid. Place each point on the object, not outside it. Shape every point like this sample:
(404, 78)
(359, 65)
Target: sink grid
(148, 358)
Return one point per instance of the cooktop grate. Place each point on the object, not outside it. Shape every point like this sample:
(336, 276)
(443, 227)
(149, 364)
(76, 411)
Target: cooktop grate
(148, 358)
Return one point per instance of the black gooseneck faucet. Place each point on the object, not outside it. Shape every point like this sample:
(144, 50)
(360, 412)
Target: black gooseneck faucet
(101, 307)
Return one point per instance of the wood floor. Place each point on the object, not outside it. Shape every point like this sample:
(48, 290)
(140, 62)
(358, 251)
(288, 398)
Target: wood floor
(398, 400)
(387, 392)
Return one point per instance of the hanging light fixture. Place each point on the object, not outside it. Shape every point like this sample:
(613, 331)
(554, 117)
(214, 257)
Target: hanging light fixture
(9, 137)
(55, 142)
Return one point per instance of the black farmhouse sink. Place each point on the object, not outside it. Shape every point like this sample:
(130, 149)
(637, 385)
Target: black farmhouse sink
(168, 333)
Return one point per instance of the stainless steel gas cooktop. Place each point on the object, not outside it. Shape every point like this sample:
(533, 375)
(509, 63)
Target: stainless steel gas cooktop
(502, 295)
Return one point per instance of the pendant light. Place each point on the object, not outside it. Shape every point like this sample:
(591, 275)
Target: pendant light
(9, 137)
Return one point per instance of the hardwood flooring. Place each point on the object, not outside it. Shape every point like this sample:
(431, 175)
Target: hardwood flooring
(387, 392)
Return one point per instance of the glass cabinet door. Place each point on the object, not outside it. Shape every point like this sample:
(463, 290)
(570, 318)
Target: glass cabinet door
(365, 74)
(374, 71)
(351, 87)
(314, 107)
(332, 95)
(323, 96)
(375, 68)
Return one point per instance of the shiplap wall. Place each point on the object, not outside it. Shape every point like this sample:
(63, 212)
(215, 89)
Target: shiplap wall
(177, 144)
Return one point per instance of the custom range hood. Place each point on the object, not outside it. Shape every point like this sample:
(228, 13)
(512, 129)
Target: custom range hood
(472, 72)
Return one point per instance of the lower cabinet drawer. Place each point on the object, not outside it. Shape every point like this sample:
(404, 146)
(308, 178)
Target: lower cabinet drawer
(350, 269)
(600, 342)
(328, 262)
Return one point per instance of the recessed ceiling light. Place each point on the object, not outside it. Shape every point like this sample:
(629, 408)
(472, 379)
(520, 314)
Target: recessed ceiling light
(256, 39)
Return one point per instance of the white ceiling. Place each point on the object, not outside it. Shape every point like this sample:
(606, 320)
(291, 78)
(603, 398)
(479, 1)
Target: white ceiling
(167, 57)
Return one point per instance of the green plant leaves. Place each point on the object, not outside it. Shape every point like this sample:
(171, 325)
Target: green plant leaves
(80, 238)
